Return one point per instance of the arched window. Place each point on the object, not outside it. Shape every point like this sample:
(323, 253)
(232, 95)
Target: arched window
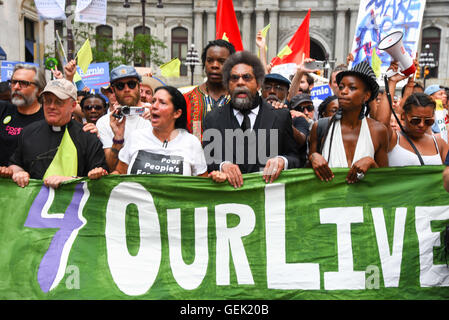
(179, 47)
(137, 31)
(431, 37)
(316, 51)
(103, 38)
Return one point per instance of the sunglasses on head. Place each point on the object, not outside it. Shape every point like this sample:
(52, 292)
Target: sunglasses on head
(121, 85)
(97, 107)
(309, 108)
(416, 121)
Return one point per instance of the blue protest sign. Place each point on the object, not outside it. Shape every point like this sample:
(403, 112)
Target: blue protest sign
(8, 67)
(97, 75)
(319, 93)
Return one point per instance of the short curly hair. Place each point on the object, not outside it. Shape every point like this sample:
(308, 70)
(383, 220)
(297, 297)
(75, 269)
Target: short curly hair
(243, 57)
(217, 43)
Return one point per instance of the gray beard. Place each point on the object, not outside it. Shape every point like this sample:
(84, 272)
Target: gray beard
(242, 103)
(21, 100)
(273, 97)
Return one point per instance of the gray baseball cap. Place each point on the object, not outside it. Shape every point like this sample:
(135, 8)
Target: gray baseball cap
(61, 88)
(123, 71)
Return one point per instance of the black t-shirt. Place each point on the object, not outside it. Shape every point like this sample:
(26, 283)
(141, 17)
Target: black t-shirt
(12, 123)
(39, 143)
(303, 126)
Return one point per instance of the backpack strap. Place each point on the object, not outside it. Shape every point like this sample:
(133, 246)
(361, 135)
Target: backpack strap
(321, 130)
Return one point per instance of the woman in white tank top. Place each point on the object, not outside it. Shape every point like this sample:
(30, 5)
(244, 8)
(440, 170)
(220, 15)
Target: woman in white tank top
(417, 118)
(351, 140)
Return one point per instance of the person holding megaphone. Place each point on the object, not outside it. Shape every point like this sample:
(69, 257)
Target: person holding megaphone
(412, 144)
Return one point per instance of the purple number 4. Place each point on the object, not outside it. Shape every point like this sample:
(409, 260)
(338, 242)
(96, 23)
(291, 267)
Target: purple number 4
(53, 264)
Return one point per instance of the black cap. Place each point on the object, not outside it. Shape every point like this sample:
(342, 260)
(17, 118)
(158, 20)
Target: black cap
(298, 99)
(364, 71)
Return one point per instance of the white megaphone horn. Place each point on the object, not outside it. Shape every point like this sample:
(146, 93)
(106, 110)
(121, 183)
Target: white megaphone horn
(393, 45)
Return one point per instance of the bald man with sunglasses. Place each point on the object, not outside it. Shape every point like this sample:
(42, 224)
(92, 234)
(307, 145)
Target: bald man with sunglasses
(113, 129)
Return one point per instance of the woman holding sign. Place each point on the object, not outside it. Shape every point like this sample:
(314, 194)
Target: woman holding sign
(349, 139)
(165, 149)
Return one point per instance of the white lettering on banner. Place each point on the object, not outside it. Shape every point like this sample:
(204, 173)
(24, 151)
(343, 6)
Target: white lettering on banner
(345, 278)
(431, 275)
(391, 263)
(188, 276)
(230, 240)
(282, 275)
(91, 71)
(134, 275)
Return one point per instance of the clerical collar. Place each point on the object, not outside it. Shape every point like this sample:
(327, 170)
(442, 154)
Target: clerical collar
(58, 128)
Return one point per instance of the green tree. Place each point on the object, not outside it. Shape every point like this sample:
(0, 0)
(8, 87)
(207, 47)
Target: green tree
(127, 50)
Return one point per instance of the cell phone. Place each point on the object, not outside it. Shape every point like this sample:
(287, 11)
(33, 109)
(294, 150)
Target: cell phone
(314, 65)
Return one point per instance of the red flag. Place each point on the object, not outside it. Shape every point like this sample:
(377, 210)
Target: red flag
(226, 24)
(298, 47)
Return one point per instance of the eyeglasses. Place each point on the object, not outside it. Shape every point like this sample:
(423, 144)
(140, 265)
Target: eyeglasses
(97, 107)
(22, 83)
(121, 85)
(246, 77)
(309, 108)
(416, 121)
(278, 88)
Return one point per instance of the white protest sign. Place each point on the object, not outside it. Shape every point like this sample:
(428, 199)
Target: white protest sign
(50, 9)
(379, 18)
(91, 11)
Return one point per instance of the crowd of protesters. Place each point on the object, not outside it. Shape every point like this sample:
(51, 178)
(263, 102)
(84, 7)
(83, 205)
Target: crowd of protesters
(138, 125)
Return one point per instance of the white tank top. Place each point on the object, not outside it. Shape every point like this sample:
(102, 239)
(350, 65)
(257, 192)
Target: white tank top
(364, 147)
(401, 157)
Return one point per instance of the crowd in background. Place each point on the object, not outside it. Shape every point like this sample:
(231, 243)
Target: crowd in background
(138, 125)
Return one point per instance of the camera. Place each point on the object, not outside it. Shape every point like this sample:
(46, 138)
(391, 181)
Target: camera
(314, 65)
(128, 111)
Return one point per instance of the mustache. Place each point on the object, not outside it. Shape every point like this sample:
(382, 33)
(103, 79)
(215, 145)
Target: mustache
(241, 90)
(17, 93)
(273, 97)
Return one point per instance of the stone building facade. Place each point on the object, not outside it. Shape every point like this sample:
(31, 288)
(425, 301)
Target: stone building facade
(180, 23)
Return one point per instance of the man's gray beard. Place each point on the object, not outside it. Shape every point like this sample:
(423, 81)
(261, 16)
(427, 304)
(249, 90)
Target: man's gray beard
(273, 98)
(242, 103)
(22, 100)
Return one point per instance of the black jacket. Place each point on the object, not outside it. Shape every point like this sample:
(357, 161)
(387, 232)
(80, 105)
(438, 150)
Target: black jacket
(269, 121)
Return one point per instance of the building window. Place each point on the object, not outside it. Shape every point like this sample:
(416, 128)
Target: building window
(431, 36)
(30, 41)
(103, 38)
(139, 30)
(179, 47)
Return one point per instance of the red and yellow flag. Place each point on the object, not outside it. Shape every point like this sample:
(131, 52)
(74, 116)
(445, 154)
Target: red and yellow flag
(299, 46)
(227, 27)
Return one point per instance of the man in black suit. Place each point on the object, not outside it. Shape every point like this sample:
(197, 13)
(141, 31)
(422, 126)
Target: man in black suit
(248, 134)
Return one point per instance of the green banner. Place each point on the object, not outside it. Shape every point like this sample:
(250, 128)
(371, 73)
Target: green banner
(175, 237)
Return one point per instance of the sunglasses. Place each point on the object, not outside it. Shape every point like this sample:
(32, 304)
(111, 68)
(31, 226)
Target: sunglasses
(309, 108)
(246, 77)
(97, 107)
(416, 121)
(22, 83)
(121, 85)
